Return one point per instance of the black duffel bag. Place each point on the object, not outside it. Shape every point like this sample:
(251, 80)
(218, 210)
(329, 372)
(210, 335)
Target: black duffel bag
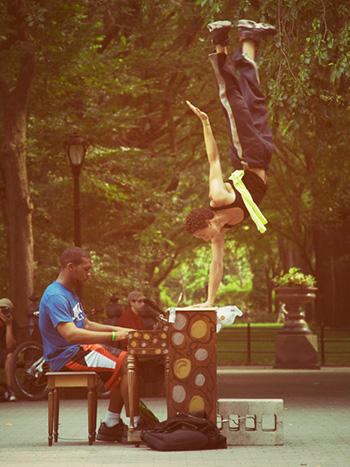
(184, 432)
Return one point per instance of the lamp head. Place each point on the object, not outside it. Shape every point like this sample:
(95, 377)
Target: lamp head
(75, 147)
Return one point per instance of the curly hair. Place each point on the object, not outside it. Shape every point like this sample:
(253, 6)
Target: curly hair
(197, 219)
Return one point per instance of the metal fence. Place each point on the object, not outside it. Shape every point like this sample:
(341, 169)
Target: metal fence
(323, 336)
(323, 340)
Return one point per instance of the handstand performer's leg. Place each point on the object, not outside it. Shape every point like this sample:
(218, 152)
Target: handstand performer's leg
(244, 61)
(253, 96)
(243, 102)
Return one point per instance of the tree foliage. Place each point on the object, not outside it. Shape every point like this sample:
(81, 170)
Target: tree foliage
(119, 72)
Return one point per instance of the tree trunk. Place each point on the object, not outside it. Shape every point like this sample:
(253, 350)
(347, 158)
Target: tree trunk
(293, 257)
(342, 273)
(18, 205)
(325, 276)
(333, 276)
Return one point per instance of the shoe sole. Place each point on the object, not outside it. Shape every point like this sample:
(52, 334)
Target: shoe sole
(246, 23)
(250, 25)
(219, 25)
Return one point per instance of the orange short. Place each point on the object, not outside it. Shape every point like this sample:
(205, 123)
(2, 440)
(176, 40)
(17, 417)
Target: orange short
(103, 359)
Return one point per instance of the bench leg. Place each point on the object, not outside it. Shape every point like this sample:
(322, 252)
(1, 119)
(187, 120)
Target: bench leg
(92, 406)
(51, 411)
(56, 408)
(95, 414)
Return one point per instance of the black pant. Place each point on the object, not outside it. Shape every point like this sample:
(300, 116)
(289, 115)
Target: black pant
(244, 107)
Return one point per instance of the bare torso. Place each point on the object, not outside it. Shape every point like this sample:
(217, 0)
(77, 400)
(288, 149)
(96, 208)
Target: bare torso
(234, 215)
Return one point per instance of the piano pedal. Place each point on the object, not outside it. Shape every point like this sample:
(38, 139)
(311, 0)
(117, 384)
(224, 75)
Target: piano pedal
(134, 437)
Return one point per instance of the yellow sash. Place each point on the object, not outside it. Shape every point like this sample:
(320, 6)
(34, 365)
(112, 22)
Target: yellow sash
(255, 213)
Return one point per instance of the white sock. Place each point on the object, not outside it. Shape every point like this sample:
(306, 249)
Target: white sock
(136, 420)
(111, 418)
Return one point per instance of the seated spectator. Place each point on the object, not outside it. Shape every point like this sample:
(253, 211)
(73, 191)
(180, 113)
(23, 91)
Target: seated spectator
(139, 316)
(131, 318)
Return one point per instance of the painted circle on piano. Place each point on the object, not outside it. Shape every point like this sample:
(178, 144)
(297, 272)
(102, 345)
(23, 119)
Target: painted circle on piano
(201, 355)
(180, 322)
(196, 404)
(199, 380)
(182, 368)
(178, 338)
(199, 329)
(179, 393)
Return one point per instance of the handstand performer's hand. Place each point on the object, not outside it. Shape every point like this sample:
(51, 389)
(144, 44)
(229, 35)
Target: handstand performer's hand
(203, 117)
(201, 305)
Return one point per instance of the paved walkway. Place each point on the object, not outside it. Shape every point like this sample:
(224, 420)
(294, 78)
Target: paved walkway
(316, 426)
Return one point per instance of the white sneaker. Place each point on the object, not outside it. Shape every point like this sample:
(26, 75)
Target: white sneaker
(10, 396)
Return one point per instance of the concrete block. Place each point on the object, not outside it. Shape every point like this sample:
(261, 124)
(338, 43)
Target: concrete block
(249, 422)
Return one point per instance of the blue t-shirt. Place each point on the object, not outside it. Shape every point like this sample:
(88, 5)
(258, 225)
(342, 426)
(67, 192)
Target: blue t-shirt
(59, 305)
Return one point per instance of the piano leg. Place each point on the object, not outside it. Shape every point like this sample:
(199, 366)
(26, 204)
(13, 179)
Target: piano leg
(133, 434)
(131, 389)
(166, 375)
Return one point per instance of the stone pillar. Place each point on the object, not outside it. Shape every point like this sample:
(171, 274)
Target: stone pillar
(296, 351)
(295, 344)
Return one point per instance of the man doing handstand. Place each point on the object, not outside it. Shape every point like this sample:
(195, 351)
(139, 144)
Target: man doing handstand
(251, 145)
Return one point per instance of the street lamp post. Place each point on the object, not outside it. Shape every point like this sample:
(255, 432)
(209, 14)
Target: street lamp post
(75, 147)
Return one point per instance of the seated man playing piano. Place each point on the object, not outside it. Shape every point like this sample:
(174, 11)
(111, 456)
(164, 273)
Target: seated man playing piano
(74, 343)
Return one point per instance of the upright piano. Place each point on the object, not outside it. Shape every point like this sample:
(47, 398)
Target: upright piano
(186, 338)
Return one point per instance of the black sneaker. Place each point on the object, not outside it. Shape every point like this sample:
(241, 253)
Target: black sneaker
(219, 32)
(252, 31)
(113, 433)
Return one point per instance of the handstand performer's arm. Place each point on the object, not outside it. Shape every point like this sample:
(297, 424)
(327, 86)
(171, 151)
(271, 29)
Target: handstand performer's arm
(216, 269)
(219, 196)
(218, 193)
